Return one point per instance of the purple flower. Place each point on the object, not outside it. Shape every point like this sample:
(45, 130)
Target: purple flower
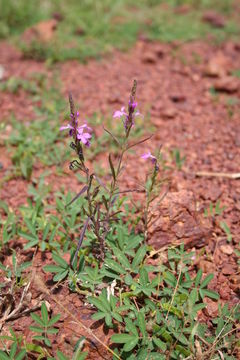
(82, 132)
(119, 113)
(69, 126)
(148, 155)
(84, 137)
(132, 104)
(122, 113)
(72, 125)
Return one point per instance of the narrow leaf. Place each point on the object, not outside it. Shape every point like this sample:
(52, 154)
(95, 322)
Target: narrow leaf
(112, 167)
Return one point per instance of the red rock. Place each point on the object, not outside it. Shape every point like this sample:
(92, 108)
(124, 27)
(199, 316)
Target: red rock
(149, 57)
(226, 249)
(228, 269)
(44, 31)
(211, 308)
(214, 19)
(206, 266)
(169, 113)
(175, 220)
(177, 97)
(217, 66)
(225, 291)
(227, 84)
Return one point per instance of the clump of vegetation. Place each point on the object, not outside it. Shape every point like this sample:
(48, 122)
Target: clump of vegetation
(80, 36)
(152, 307)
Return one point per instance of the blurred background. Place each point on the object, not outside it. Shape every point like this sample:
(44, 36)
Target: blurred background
(58, 30)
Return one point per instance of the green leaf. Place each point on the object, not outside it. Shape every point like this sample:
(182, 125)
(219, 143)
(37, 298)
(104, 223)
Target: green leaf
(54, 319)
(133, 242)
(138, 258)
(121, 258)
(52, 268)
(117, 316)
(31, 244)
(98, 316)
(38, 338)
(27, 236)
(209, 293)
(193, 297)
(3, 356)
(31, 227)
(143, 277)
(60, 276)
(20, 355)
(110, 274)
(25, 265)
(59, 260)
(45, 232)
(36, 329)
(183, 350)
(52, 331)
(128, 279)
(198, 277)
(198, 307)
(159, 343)
(47, 342)
(206, 281)
(220, 326)
(131, 327)
(108, 320)
(122, 338)
(44, 313)
(13, 350)
(61, 356)
(142, 324)
(99, 304)
(113, 265)
(130, 345)
(37, 319)
(170, 278)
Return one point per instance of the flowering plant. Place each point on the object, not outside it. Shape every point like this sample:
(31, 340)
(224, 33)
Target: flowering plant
(100, 211)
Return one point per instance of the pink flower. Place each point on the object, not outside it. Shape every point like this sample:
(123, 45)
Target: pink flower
(82, 132)
(119, 113)
(122, 113)
(69, 126)
(84, 137)
(148, 155)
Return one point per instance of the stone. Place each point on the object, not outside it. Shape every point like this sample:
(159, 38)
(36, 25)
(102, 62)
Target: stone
(217, 66)
(206, 266)
(226, 249)
(44, 32)
(228, 269)
(177, 97)
(175, 221)
(214, 19)
(149, 57)
(227, 84)
(169, 113)
(211, 307)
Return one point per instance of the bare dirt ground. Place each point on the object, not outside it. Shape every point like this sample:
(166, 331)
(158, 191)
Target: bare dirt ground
(175, 86)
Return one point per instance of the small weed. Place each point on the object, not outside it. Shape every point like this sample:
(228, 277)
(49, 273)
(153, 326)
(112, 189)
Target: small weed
(227, 230)
(15, 272)
(178, 158)
(44, 325)
(214, 211)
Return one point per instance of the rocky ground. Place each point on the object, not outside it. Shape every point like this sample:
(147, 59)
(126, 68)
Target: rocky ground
(192, 95)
